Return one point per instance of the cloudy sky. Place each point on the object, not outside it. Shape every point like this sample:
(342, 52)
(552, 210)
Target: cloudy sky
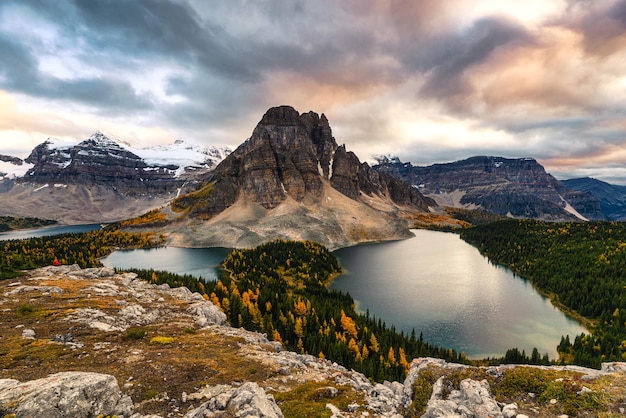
(427, 80)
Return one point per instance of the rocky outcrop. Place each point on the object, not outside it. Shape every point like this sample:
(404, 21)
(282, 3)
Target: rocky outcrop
(247, 400)
(97, 313)
(473, 398)
(205, 367)
(10, 159)
(510, 187)
(66, 394)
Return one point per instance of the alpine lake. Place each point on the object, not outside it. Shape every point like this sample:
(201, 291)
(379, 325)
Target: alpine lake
(433, 283)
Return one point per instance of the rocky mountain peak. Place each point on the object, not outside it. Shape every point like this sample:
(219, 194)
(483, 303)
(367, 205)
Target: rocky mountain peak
(101, 178)
(281, 116)
(289, 155)
(290, 179)
(101, 141)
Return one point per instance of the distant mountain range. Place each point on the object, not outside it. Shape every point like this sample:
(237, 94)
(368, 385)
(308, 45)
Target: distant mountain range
(290, 179)
(100, 179)
(518, 188)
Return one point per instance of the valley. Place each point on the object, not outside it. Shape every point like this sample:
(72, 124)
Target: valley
(147, 399)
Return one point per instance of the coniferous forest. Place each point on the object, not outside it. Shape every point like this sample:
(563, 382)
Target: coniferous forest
(83, 249)
(580, 266)
(9, 223)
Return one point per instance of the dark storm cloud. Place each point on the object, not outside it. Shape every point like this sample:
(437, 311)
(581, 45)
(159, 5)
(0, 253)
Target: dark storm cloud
(118, 35)
(167, 29)
(212, 101)
(435, 79)
(19, 68)
(603, 25)
(20, 72)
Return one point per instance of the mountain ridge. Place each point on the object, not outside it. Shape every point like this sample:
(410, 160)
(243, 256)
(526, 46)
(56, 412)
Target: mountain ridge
(510, 187)
(100, 179)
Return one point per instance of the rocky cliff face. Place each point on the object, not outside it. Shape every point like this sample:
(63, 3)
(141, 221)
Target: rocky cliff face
(291, 155)
(513, 187)
(100, 160)
(290, 179)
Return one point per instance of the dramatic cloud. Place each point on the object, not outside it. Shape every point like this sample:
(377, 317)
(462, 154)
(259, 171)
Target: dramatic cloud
(427, 80)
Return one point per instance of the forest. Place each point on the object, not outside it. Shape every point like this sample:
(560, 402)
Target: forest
(84, 249)
(580, 266)
(9, 223)
(281, 288)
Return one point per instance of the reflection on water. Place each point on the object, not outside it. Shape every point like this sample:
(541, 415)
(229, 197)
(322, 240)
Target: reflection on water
(199, 262)
(442, 286)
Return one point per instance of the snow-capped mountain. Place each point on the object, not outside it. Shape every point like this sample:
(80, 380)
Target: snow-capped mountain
(111, 166)
(54, 157)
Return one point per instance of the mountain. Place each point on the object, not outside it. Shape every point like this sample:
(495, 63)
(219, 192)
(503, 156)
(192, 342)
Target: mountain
(100, 179)
(612, 198)
(518, 188)
(291, 180)
(100, 160)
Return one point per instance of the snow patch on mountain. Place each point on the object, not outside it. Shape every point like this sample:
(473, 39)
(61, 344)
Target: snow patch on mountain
(181, 154)
(62, 145)
(11, 171)
(177, 158)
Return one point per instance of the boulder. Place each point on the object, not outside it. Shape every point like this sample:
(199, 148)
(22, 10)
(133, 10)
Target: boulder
(205, 313)
(473, 399)
(68, 394)
(248, 400)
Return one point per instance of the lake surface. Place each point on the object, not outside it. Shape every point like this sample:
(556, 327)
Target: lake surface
(443, 287)
(199, 262)
(47, 231)
(434, 282)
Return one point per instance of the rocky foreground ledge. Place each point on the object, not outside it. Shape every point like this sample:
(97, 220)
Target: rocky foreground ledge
(89, 342)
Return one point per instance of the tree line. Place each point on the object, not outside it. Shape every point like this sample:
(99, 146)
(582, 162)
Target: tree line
(581, 266)
(9, 223)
